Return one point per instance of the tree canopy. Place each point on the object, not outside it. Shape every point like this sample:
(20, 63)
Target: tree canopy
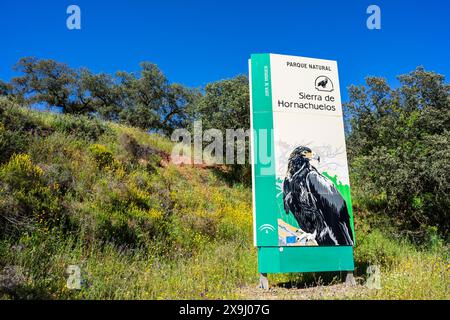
(146, 100)
(398, 144)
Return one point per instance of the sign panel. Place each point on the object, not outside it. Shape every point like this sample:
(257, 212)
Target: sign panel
(303, 218)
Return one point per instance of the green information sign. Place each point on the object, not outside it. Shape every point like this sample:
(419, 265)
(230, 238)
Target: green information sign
(303, 219)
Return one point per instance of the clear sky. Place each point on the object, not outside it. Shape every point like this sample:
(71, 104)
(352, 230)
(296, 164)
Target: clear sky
(195, 42)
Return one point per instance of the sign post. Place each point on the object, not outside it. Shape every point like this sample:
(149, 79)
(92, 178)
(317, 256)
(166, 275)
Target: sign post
(303, 219)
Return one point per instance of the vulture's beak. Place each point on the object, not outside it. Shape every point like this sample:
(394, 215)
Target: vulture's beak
(316, 157)
(313, 156)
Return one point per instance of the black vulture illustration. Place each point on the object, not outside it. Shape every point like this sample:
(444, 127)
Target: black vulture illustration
(323, 83)
(314, 201)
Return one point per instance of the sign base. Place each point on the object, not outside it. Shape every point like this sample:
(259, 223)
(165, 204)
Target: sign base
(350, 279)
(263, 281)
(305, 259)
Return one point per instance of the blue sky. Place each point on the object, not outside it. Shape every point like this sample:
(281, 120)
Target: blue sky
(195, 42)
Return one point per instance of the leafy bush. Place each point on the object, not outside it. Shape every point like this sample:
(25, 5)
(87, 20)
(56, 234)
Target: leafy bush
(102, 155)
(19, 119)
(11, 142)
(225, 106)
(399, 149)
(81, 126)
(376, 248)
(20, 173)
(26, 199)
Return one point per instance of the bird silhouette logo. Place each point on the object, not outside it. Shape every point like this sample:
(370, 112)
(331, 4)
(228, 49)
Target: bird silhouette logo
(323, 83)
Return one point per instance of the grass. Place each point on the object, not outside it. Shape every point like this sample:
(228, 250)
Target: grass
(104, 197)
(416, 276)
(407, 273)
(112, 273)
(213, 271)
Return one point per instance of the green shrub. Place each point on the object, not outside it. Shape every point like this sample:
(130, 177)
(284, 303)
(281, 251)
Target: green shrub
(102, 155)
(19, 119)
(398, 149)
(376, 248)
(5, 105)
(81, 126)
(21, 174)
(26, 200)
(12, 142)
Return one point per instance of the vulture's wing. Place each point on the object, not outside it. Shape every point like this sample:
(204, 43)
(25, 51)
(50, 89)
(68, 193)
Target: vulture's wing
(302, 204)
(332, 205)
(287, 196)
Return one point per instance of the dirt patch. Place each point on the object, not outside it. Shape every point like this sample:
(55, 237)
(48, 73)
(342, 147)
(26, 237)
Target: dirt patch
(336, 291)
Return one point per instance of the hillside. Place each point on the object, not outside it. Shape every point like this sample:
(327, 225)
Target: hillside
(105, 197)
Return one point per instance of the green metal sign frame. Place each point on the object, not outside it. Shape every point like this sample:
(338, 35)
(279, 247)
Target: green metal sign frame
(273, 258)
